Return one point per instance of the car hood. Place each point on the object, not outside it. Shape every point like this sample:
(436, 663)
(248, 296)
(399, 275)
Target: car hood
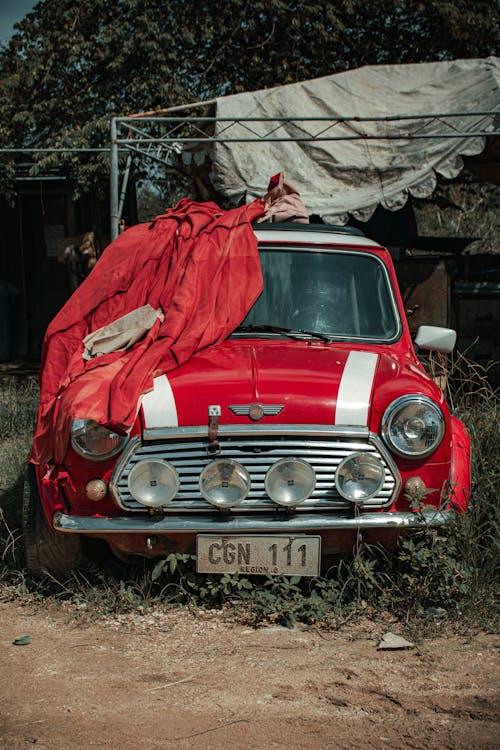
(295, 382)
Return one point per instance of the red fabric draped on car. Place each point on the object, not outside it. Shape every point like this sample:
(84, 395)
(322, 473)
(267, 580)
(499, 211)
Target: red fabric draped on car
(196, 264)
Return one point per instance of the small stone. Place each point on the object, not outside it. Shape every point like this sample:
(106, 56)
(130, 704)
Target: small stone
(22, 640)
(391, 641)
(436, 613)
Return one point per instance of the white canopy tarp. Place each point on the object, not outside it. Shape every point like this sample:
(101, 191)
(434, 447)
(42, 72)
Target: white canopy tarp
(337, 178)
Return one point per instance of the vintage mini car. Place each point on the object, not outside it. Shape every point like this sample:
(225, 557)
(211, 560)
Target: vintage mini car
(314, 425)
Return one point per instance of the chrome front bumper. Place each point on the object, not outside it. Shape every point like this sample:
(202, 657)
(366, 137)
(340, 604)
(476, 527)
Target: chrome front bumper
(221, 524)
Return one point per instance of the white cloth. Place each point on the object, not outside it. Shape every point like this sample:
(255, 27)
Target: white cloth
(122, 333)
(337, 178)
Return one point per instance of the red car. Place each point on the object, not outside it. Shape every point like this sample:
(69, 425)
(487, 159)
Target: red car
(323, 428)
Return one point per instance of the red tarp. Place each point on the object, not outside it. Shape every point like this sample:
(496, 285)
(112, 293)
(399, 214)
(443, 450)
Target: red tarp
(197, 264)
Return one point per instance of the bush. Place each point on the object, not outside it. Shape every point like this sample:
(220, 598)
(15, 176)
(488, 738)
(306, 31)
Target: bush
(18, 407)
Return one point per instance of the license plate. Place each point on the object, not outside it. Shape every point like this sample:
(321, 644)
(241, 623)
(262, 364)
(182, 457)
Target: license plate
(258, 554)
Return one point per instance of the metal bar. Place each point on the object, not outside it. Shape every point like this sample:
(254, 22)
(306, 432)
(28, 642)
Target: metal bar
(143, 133)
(129, 127)
(313, 139)
(54, 150)
(113, 182)
(224, 524)
(123, 191)
(380, 118)
(298, 431)
(147, 154)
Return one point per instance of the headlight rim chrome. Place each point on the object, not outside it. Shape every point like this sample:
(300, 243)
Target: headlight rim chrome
(350, 457)
(389, 416)
(89, 455)
(274, 467)
(140, 465)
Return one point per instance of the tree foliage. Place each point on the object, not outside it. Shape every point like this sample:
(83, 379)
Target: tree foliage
(274, 42)
(72, 64)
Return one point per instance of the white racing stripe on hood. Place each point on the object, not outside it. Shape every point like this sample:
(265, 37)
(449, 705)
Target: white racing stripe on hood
(353, 400)
(158, 405)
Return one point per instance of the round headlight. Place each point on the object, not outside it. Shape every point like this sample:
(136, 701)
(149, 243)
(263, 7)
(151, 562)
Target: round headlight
(224, 483)
(95, 442)
(153, 482)
(290, 481)
(359, 477)
(413, 426)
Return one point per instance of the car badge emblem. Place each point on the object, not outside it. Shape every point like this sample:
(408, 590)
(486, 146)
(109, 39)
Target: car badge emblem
(256, 411)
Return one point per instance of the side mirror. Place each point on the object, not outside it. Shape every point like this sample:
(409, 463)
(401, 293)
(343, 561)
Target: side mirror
(436, 339)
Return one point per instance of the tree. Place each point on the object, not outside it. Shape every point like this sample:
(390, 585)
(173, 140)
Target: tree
(72, 64)
(252, 45)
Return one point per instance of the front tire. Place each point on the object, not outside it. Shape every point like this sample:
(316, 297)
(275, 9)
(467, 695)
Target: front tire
(46, 550)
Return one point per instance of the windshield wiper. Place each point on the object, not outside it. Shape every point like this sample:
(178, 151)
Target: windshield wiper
(293, 333)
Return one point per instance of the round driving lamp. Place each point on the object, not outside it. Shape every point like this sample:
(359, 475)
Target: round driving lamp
(413, 426)
(359, 477)
(224, 483)
(153, 482)
(290, 481)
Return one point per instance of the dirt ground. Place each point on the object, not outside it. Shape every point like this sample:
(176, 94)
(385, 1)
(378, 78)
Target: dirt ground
(194, 682)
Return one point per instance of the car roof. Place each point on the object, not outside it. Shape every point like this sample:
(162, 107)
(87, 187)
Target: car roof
(290, 232)
(290, 226)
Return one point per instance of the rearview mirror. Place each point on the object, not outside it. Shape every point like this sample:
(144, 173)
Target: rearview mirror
(436, 339)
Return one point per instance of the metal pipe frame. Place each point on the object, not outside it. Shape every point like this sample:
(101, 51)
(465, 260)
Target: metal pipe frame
(380, 118)
(141, 143)
(176, 122)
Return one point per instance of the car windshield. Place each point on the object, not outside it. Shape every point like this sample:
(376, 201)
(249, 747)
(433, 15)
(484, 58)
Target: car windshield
(345, 295)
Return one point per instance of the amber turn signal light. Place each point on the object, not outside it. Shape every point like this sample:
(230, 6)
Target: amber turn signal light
(96, 490)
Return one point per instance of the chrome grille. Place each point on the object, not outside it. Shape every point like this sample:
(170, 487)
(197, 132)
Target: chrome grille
(256, 452)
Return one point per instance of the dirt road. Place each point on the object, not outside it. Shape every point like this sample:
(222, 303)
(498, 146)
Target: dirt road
(178, 681)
